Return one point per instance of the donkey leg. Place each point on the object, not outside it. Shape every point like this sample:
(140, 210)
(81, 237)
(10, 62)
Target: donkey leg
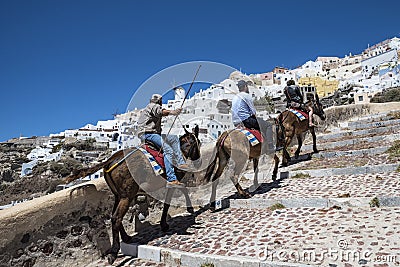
(189, 206)
(223, 161)
(242, 193)
(314, 138)
(239, 167)
(299, 144)
(255, 179)
(116, 222)
(276, 166)
(163, 223)
(289, 136)
(213, 194)
(124, 236)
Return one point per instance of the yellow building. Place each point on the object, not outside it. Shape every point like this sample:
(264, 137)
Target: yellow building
(323, 87)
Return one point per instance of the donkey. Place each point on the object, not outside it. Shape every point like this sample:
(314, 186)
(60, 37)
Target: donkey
(234, 145)
(128, 171)
(293, 126)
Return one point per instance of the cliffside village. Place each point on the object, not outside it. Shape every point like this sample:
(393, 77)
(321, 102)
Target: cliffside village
(337, 81)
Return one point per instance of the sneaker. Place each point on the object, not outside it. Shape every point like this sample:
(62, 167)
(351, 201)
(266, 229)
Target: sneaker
(175, 184)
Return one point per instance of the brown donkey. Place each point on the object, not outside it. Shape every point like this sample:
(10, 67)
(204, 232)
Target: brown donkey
(128, 171)
(294, 127)
(234, 145)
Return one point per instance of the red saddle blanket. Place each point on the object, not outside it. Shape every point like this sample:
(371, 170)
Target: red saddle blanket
(305, 114)
(257, 134)
(158, 156)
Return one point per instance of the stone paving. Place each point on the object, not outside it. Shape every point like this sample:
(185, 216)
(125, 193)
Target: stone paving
(268, 235)
(346, 161)
(281, 236)
(371, 185)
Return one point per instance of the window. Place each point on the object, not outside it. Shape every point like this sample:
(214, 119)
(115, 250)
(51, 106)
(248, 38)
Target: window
(360, 98)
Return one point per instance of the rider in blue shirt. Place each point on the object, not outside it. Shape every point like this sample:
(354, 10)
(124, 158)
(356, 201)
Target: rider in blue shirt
(243, 110)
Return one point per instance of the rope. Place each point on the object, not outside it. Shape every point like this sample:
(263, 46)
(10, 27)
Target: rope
(121, 160)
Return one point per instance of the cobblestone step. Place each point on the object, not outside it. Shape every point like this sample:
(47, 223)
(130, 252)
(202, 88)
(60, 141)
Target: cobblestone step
(335, 144)
(393, 128)
(283, 237)
(369, 151)
(363, 125)
(382, 201)
(347, 171)
(370, 118)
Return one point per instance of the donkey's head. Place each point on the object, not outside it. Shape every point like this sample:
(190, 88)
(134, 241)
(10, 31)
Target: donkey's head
(318, 108)
(190, 144)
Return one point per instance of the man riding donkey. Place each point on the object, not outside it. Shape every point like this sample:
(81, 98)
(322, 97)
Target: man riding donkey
(243, 110)
(149, 124)
(295, 98)
(249, 140)
(293, 120)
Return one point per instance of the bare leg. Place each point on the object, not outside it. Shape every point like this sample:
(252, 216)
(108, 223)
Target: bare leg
(310, 117)
(314, 138)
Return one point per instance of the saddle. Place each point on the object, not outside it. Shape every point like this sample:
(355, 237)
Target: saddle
(158, 155)
(155, 151)
(153, 146)
(300, 113)
(257, 134)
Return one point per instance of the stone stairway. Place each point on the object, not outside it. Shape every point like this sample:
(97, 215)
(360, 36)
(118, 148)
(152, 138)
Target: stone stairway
(340, 207)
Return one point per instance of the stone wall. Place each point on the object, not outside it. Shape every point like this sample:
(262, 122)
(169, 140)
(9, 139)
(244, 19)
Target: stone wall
(337, 114)
(66, 228)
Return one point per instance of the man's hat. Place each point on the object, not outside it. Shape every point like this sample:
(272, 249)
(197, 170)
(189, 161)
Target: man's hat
(155, 98)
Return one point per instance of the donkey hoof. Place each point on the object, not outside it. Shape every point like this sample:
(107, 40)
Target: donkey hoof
(274, 178)
(190, 210)
(245, 195)
(111, 257)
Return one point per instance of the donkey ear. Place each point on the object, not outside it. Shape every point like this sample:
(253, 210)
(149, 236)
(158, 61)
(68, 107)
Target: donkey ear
(317, 97)
(186, 131)
(196, 130)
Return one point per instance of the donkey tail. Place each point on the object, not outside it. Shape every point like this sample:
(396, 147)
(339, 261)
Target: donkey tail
(85, 172)
(211, 167)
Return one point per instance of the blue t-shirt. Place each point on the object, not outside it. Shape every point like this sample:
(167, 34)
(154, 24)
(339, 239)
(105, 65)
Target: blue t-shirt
(242, 107)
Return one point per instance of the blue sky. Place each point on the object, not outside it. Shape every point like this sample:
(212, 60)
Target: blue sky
(67, 63)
